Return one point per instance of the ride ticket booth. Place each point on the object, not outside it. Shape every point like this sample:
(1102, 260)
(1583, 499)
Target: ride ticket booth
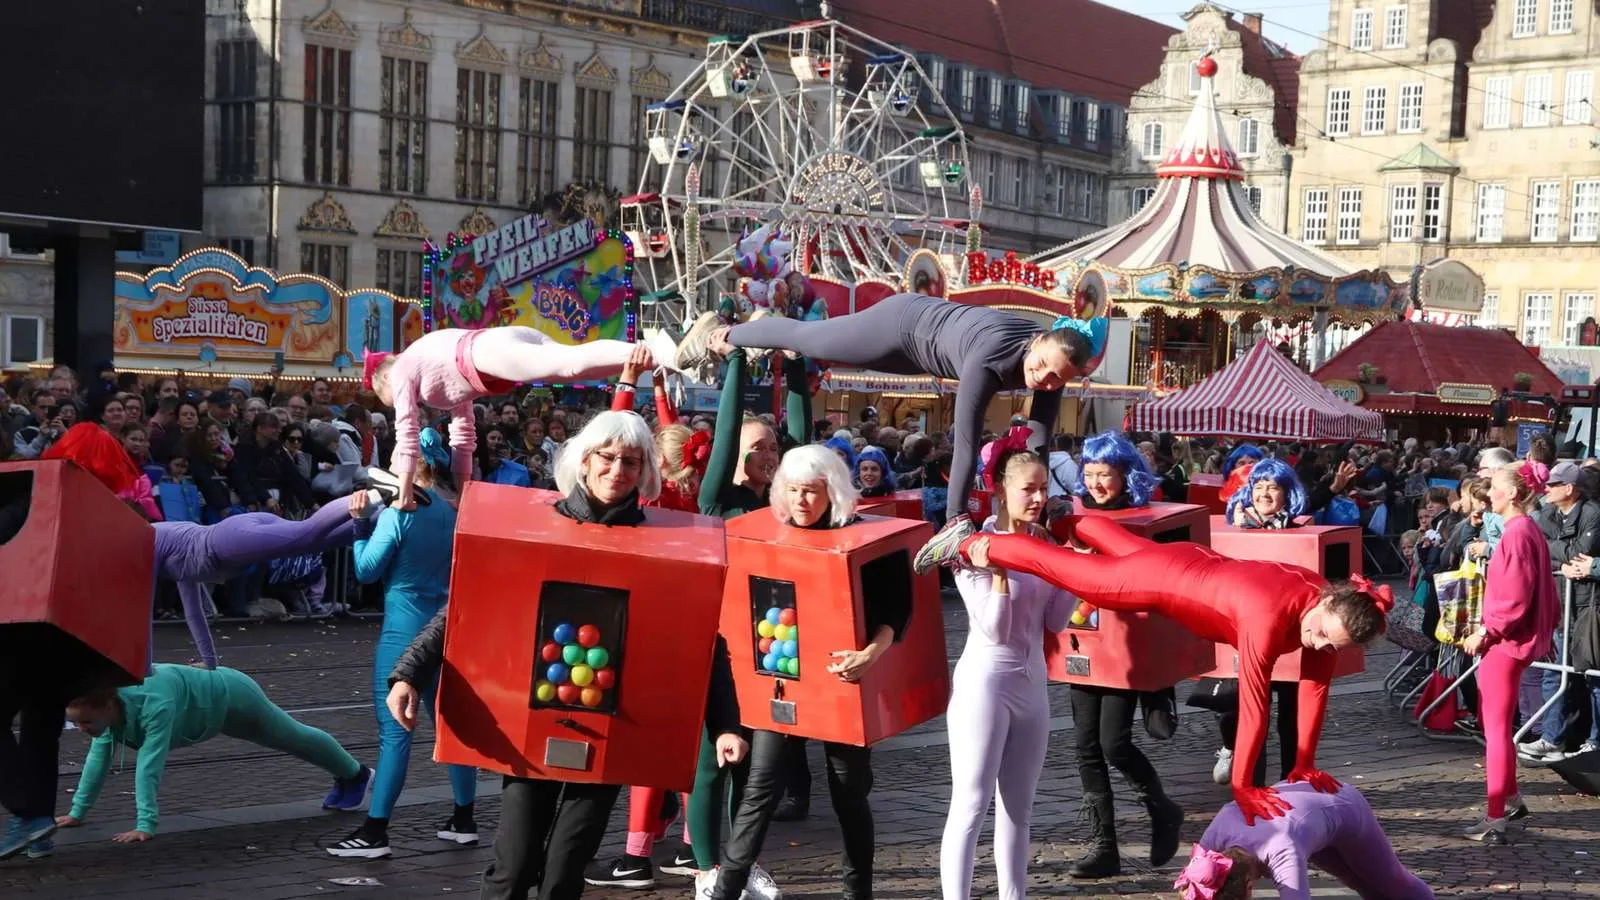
(785, 582)
(1132, 651)
(86, 610)
(578, 652)
(1332, 551)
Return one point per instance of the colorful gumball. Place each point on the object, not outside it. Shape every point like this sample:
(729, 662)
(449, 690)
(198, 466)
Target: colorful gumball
(572, 654)
(780, 632)
(591, 696)
(1078, 618)
(582, 675)
(565, 634)
(550, 652)
(588, 636)
(598, 658)
(605, 679)
(790, 649)
(794, 633)
(568, 693)
(770, 662)
(786, 617)
(794, 667)
(545, 691)
(764, 628)
(774, 615)
(557, 673)
(764, 646)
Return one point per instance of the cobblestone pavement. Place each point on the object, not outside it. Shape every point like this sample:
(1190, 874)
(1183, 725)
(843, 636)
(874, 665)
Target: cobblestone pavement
(240, 822)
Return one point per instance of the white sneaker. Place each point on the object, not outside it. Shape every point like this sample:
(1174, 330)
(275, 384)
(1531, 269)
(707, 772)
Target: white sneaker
(664, 350)
(706, 882)
(692, 351)
(761, 886)
(1538, 749)
(1222, 771)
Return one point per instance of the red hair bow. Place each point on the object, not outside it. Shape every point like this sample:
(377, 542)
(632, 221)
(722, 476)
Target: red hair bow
(1380, 594)
(697, 451)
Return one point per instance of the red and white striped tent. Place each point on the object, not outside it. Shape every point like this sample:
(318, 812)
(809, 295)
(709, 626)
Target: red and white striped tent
(1264, 396)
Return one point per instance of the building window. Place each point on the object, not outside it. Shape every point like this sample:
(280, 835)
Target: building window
(1560, 16)
(1361, 30)
(1410, 120)
(244, 248)
(236, 110)
(24, 340)
(1536, 100)
(1020, 108)
(1349, 216)
(1545, 210)
(536, 139)
(1374, 110)
(1152, 140)
(331, 261)
(1575, 108)
(591, 150)
(1491, 212)
(403, 156)
(1402, 212)
(1585, 210)
(991, 174)
(969, 92)
(1055, 189)
(400, 273)
(1525, 19)
(1194, 77)
(1019, 184)
(1536, 310)
(1497, 102)
(1394, 28)
(1142, 196)
(1490, 317)
(477, 135)
(1092, 124)
(1252, 196)
(1249, 137)
(1314, 217)
(1338, 118)
(1574, 309)
(747, 172)
(327, 115)
(997, 101)
(1433, 212)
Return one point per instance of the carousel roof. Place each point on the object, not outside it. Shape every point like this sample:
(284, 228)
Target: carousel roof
(1200, 214)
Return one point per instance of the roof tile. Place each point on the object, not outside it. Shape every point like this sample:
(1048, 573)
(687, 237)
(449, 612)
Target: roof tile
(1416, 357)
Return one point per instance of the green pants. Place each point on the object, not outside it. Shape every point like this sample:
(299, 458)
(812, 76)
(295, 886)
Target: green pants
(252, 717)
(708, 808)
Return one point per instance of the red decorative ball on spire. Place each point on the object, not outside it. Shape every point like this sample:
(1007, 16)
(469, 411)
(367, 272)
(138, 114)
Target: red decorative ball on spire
(1207, 67)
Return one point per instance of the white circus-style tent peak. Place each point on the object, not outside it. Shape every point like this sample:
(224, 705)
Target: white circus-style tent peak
(1263, 396)
(1200, 214)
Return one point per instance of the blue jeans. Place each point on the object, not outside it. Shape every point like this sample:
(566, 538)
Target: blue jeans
(1565, 714)
(403, 618)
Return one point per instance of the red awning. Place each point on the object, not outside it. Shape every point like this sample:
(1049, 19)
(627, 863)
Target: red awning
(1263, 396)
(1403, 405)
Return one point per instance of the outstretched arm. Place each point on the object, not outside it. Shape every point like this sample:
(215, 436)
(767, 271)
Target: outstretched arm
(1316, 672)
(192, 595)
(797, 400)
(724, 461)
(1255, 675)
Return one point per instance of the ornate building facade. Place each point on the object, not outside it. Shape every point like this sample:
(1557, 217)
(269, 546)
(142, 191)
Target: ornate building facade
(1459, 129)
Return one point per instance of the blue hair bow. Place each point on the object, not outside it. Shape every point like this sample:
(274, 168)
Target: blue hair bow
(1093, 330)
(434, 451)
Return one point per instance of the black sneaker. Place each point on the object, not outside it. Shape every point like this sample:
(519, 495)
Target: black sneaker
(459, 828)
(632, 872)
(368, 842)
(683, 863)
(792, 810)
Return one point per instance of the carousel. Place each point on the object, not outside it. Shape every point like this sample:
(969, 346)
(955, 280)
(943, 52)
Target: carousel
(1198, 269)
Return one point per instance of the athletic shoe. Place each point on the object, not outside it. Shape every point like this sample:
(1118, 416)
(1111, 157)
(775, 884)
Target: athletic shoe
(944, 547)
(384, 486)
(792, 810)
(632, 872)
(1487, 830)
(693, 351)
(1538, 749)
(41, 849)
(22, 832)
(349, 793)
(1516, 810)
(704, 884)
(1222, 771)
(459, 828)
(761, 886)
(368, 842)
(664, 350)
(682, 863)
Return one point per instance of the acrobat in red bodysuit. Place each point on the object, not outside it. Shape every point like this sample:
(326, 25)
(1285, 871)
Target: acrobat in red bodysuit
(1263, 609)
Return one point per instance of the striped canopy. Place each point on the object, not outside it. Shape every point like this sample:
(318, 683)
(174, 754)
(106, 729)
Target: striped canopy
(1262, 396)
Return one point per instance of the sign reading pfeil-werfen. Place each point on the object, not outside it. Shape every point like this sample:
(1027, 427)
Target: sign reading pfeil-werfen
(1465, 393)
(839, 184)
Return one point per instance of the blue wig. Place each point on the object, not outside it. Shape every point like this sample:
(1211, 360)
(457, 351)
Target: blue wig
(1239, 454)
(874, 454)
(1280, 473)
(1114, 450)
(841, 445)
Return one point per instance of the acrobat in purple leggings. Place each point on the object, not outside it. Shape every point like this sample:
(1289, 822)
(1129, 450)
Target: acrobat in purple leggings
(194, 555)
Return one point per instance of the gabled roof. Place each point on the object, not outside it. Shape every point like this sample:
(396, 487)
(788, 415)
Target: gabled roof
(1417, 357)
(1280, 69)
(1078, 46)
(1419, 157)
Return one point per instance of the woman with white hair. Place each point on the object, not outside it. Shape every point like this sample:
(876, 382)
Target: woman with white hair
(812, 490)
(549, 830)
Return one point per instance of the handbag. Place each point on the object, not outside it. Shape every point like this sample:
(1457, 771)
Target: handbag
(1406, 628)
(1460, 603)
(1585, 647)
(1220, 695)
(1443, 717)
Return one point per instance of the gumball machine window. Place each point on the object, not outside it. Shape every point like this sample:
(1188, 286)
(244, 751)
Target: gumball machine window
(579, 661)
(775, 628)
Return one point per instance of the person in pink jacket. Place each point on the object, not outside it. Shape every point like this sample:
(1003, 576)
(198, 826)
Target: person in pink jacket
(1519, 618)
(449, 368)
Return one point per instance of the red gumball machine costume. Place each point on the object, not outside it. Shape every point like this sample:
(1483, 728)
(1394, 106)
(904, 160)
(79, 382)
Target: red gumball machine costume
(1256, 606)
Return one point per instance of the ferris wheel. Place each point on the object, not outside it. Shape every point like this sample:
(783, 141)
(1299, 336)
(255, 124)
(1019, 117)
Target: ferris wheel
(837, 139)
